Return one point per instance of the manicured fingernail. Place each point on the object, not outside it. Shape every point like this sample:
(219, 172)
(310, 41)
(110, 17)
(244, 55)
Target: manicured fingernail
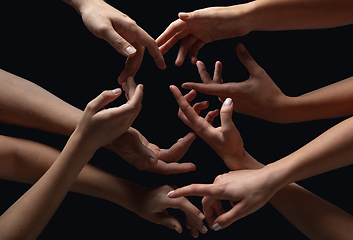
(168, 194)
(184, 15)
(177, 229)
(216, 227)
(130, 50)
(130, 79)
(201, 216)
(204, 229)
(116, 91)
(228, 102)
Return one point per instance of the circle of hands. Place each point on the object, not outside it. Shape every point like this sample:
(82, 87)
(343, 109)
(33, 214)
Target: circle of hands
(258, 96)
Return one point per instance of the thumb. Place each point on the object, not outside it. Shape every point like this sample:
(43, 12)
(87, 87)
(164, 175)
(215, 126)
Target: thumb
(146, 154)
(168, 221)
(118, 42)
(226, 115)
(246, 58)
(103, 99)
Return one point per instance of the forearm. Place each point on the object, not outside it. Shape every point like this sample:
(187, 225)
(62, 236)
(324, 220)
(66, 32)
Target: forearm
(27, 161)
(26, 104)
(275, 15)
(312, 215)
(331, 150)
(335, 100)
(28, 216)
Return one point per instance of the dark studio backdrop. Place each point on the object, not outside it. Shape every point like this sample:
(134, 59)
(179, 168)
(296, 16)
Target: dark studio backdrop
(47, 43)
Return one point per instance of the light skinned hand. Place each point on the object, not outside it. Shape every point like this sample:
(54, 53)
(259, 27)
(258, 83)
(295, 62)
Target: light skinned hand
(100, 126)
(122, 33)
(199, 27)
(258, 96)
(225, 140)
(138, 151)
(152, 204)
(247, 190)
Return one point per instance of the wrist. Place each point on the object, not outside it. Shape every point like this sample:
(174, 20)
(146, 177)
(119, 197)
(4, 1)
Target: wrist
(80, 5)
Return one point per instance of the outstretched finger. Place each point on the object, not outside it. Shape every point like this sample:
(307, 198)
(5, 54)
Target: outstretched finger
(168, 34)
(226, 115)
(217, 75)
(195, 190)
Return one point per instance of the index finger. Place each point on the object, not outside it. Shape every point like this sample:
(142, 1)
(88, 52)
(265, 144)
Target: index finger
(175, 27)
(195, 190)
(189, 112)
(209, 89)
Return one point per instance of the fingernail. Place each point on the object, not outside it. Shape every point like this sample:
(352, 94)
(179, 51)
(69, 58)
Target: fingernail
(130, 50)
(201, 216)
(177, 229)
(184, 15)
(168, 194)
(192, 90)
(116, 91)
(228, 102)
(241, 48)
(204, 229)
(130, 79)
(216, 227)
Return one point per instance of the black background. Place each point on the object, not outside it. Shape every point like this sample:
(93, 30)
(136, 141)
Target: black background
(47, 43)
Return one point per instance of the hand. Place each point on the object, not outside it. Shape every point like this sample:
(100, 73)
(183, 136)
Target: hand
(247, 190)
(99, 126)
(197, 28)
(136, 150)
(152, 204)
(258, 96)
(121, 32)
(225, 140)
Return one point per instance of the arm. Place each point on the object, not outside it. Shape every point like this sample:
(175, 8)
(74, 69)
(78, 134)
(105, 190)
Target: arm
(197, 28)
(27, 217)
(260, 97)
(26, 104)
(120, 31)
(312, 215)
(26, 161)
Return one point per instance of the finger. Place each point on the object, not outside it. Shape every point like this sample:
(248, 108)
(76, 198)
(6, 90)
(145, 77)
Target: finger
(246, 59)
(207, 205)
(132, 65)
(136, 99)
(118, 42)
(192, 213)
(194, 50)
(217, 75)
(205, 77)
(168, 221)
(226, 115)
(211, 116)
(185, 45)
(103, 99)
(195, 190)
(172, 168)
(177, 151)
(157, 55)
(198, 107)
(209, 89)
(227, 218)
(131, 85)
(189, 112)
(174, 28)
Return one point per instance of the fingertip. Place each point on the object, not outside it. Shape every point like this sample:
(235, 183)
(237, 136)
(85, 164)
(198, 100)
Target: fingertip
(228, 102)
(241, 48)
(130, 51)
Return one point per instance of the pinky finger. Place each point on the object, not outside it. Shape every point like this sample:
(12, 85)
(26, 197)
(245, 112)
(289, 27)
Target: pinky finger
(211, 116)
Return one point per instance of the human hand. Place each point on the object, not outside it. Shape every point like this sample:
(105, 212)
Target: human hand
(258, 96)
(152, 204)
(138, 151)
(197, 28)
(225, 140)
(247, 191)
(121, 32)
(99, 126)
